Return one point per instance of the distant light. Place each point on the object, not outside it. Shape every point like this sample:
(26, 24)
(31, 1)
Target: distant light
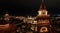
(17, 17)
(6, 14)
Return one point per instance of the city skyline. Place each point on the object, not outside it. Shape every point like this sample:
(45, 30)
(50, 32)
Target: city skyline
(29, 16)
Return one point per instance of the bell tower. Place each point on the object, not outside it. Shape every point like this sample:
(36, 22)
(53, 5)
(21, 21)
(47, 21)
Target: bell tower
(43, 21)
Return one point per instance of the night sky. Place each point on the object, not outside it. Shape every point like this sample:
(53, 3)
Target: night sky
(28, 7)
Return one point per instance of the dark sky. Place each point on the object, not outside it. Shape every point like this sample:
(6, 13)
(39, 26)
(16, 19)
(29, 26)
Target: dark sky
(28, 7)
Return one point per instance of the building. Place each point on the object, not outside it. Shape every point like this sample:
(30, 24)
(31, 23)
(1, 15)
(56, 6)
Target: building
(5, 26)
(43, 19)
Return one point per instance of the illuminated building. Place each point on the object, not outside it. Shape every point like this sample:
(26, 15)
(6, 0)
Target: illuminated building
(6, 17)
(43, 19)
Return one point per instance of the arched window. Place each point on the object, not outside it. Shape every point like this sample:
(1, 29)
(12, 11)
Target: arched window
(43, 29)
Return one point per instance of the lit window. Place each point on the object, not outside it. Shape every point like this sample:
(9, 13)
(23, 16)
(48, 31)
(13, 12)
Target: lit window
(43, 29)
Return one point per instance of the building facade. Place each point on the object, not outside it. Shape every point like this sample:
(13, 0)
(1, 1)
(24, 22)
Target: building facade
(43, 19)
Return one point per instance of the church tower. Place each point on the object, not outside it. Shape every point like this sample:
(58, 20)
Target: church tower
(43, 19)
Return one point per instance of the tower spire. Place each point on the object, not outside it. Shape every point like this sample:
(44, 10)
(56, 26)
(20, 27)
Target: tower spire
(42, 6)
(42, 10)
